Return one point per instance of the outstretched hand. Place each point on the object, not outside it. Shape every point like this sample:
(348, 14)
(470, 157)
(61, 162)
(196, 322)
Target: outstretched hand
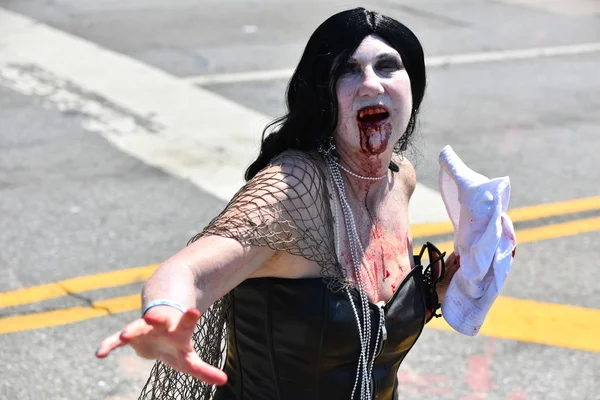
(165, 334)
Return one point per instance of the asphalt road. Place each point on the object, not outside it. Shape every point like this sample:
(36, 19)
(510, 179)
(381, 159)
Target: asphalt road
(76, 201)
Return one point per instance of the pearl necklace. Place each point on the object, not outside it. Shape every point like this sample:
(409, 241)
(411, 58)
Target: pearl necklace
(367, 178)
(365, 366)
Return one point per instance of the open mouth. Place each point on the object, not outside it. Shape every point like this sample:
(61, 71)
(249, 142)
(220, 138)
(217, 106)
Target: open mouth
(372, 115)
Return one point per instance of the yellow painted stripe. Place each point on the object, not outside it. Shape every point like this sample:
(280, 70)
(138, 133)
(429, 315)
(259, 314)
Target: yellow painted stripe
(69, 315)
(536, 322)
(431, 229)
(553, 231)
(510, 318)
(120, 304)
(554, 209)
(559, 230)
(518, 215)
(139, 274)
(51, 318)
(76, 285)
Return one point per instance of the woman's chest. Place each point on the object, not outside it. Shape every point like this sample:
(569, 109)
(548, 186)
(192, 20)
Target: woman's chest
(377, 250)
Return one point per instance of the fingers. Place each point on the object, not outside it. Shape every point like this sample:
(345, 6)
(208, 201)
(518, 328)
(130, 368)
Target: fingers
(171, 342)
(165, 318)
(454, 261)
(172, 320)
(109, 344)
(159, 321)
(204, 371)
(133, 330)
(189, 320)
(452, 265)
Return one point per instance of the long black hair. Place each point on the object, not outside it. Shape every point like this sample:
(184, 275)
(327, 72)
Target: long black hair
(311, 97)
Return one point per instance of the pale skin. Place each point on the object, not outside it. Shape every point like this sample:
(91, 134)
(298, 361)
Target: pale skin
(210, 267)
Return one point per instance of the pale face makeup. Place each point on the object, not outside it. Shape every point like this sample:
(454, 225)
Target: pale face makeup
(374, 106)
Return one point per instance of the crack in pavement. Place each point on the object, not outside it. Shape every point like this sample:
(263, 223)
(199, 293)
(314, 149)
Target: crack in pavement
(88, 301)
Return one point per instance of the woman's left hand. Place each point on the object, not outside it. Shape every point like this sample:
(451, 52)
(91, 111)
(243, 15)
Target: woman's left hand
(452, 265)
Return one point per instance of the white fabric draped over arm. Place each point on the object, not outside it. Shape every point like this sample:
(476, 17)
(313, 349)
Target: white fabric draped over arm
(484, 239)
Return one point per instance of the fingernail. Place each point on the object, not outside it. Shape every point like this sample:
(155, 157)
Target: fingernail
(97, 350)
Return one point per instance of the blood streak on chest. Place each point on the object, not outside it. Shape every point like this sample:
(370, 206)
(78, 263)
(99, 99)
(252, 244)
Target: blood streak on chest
(385, 255)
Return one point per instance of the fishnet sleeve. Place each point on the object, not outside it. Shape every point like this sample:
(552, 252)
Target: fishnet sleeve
(285, 207)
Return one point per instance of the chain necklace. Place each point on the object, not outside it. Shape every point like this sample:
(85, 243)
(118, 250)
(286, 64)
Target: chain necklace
(365, 366)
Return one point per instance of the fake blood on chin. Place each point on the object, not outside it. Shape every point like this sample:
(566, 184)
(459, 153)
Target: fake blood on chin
(374, 138)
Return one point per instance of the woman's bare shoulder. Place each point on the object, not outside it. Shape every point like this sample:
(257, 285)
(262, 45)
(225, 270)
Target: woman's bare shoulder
(407, 173)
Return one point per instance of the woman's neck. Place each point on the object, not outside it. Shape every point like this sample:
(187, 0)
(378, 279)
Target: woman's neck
(365, 181)
(364, 163)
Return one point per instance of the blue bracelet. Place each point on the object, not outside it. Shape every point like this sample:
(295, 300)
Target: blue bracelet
(161, 302)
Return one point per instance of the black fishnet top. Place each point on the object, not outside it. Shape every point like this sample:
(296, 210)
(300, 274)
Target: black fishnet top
(286, 207)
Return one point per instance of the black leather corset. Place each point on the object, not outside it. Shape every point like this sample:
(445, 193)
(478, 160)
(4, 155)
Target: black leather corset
(295, 339)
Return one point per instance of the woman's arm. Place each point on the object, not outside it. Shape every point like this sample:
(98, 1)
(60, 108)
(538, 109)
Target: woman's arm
(195, 277)
(204, 271)
(280, 209)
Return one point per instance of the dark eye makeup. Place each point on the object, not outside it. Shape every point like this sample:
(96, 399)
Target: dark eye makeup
(350, 67)
(389, 64)
(386, 63)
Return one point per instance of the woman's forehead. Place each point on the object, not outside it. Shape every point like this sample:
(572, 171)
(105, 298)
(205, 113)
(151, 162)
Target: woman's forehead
(373, 46)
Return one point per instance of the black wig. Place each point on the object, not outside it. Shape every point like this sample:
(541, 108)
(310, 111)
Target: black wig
(311, 98)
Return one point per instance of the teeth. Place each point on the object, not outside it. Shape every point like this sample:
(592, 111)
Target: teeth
(371, 111)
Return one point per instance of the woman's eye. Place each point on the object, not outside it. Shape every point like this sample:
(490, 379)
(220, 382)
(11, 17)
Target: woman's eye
(389, 65)
(350, 68)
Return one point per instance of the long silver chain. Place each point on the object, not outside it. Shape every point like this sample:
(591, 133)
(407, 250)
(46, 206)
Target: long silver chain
(365, 366)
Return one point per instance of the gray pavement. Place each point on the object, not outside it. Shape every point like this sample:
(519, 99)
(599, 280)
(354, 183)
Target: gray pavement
(71, 204)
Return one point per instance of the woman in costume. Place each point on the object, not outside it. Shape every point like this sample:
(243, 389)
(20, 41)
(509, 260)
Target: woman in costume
(305, 286)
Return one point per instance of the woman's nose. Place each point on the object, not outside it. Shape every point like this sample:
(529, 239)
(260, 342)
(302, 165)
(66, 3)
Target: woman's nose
(371, 84)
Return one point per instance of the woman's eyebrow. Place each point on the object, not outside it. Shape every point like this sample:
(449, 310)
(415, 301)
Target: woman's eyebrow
(379, 57)
(395, 56)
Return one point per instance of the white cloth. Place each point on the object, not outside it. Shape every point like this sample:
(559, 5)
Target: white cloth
(484, 238)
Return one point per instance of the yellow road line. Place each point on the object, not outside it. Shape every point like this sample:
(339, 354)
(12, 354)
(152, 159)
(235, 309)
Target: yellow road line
(536, 322)
(139, 274)
(510, 318)
(76, 285)
(559, 230)
(515, 319)
(519, 215)
(69, 315)
(553, 231)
